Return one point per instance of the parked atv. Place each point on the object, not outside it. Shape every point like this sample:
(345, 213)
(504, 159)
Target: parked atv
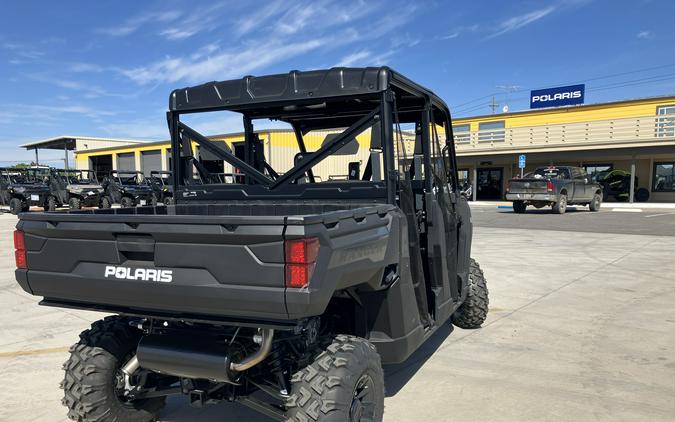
(160, 181)
(127, 188)
(280, 292)
(74, 188)
(22, 188)
(616, 184)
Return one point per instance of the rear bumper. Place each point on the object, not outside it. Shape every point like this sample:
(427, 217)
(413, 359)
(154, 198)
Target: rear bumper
(532, 197)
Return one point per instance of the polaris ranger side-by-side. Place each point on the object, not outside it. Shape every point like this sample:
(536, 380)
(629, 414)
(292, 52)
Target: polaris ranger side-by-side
(75, 188)
(160, 182)
(127, 188)
(279, 290)
(21, 188)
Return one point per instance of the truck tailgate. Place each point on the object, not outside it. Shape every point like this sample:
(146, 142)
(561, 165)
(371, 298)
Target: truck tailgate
(528, 186)
(221, 266)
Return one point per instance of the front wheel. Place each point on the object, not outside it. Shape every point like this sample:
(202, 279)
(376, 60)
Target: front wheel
(15, 206)
(74, 203)
(93, 387)
(50, 205)
(105, 203)
(168, 201)
(126, 202)
(473, 312)
(345, 382)
(595, 203)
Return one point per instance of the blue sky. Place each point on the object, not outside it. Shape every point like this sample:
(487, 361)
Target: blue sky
(106, 68)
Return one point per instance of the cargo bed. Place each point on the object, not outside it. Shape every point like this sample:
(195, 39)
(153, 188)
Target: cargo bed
(223, 261)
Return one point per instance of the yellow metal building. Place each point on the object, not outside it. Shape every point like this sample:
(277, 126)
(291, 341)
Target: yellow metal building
(637, 136)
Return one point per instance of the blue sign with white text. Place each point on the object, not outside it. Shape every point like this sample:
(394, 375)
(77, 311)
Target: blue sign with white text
(521, 161)
(556, 97)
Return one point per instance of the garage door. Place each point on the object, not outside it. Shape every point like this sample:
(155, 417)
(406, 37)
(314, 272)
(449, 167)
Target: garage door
(151, 161)
(126, 161)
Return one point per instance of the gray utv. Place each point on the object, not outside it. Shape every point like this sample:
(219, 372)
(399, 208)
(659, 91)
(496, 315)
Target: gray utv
(285, 289)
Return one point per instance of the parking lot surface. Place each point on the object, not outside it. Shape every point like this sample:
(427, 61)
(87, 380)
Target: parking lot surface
(580, 328)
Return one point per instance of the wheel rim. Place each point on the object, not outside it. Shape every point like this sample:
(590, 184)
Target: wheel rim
(363, 400)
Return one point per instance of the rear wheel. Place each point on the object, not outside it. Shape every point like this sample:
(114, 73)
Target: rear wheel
(93, 384)
(642, 195)
(519, 207)
(50, 205)
(126, 202)
(15, 206)
(168, 201)
(595, 203)
(561, 206)
(74, 203)
(473, 312)
(345, 382)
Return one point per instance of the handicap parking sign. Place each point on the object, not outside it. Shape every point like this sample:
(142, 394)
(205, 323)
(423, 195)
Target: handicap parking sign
(521, 161)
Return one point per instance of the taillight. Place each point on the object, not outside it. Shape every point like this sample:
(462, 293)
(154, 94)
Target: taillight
(549, 186)
(20, 249)
(300, 258)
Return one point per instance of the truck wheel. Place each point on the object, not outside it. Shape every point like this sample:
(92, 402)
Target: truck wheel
(519, 207)
(561, 206)
(105, 203)
(126, 202)
(345, 382)
(474, 310)
(93, 384)
(50, 205)
(74, 203)
(15, 205)
(595, 203)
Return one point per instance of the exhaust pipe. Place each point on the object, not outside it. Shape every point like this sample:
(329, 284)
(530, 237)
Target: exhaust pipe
(190, 358)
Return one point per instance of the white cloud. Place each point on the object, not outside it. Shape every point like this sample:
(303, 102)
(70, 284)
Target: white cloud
(131, 25)
(457, 32)
(516, 22)
(645, 35)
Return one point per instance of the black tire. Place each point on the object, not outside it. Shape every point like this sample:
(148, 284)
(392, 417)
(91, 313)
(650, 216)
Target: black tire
(126, 202)
(472, 313)
(105, 203)
(15, 206)
(50, 205)
(561, 206)
(595, 203)
(74, 203)
(642, 195)
(92, 373)
(168, 200)
(519, 207)
(327, 390)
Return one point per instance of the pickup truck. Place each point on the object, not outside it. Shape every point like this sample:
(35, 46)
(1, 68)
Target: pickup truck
(281, 292)
(556, 187)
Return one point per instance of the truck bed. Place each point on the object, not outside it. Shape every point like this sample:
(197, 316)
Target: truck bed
(226, 261)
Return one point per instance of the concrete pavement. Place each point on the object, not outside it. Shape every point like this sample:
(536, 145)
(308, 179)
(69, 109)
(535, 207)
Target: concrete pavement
(580, 328)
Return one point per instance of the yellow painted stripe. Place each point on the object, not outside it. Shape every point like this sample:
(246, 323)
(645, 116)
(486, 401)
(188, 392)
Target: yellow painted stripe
(33, 352)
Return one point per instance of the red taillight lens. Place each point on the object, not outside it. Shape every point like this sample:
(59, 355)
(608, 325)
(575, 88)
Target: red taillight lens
(549, 186)
(20, 252)
(300, 257)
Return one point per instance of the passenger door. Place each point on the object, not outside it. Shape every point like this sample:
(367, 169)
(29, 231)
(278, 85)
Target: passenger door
(579, 185)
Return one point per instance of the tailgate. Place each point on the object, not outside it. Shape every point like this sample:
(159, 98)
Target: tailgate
(213, 265)
(527, 186)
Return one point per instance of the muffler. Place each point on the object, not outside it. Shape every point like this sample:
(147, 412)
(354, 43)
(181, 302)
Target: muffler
(194, 358)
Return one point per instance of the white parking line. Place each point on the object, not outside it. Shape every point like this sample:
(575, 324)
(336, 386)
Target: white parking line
(659, 215)
(626, 209)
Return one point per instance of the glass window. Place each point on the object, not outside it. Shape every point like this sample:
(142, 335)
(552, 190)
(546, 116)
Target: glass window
(464, 179)
(594, 169)
(664, 177)
(462, 133)
(491, 131)
(665, 120)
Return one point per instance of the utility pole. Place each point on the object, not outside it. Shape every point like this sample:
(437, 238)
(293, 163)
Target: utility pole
(493, 104)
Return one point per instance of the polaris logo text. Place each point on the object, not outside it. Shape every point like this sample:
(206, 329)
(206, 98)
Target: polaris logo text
(144, 274)
(556, 97)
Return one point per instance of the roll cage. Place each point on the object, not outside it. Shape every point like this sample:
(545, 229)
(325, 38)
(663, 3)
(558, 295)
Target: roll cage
(353, 98)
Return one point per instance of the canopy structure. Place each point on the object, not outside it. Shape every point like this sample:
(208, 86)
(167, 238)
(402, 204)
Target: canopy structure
(67, 143)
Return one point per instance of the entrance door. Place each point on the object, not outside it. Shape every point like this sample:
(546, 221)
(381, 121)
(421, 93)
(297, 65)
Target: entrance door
(489, 184)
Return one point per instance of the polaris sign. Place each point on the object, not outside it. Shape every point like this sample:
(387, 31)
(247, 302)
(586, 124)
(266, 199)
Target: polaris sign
(556, 97)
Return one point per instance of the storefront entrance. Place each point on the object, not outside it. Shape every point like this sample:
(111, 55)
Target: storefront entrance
(489, 183)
